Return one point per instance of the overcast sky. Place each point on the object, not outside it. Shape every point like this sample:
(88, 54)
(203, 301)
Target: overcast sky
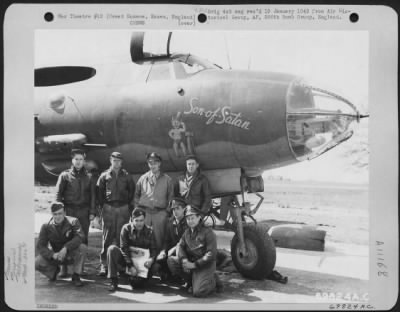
(336, 60)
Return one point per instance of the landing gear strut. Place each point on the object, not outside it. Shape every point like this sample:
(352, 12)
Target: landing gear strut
(252, 249)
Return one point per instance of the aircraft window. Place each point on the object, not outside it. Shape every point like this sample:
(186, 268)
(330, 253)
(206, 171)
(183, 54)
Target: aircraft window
(312, 128)
(187, 65)
(160, 71)
(191, 69)
(53, 76)
(183, 70)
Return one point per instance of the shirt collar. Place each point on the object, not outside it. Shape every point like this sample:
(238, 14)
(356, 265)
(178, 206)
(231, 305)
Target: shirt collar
(151, 175)
(57, 224)
(74, 170)
(195, 174)
(137, 231)
(181, 221)
(111, 171)
(196, 228)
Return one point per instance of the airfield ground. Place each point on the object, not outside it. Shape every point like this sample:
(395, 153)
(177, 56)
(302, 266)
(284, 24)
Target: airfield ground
(341, 210)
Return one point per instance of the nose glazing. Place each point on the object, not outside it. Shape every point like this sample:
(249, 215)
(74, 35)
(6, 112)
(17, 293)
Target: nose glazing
(316, 120)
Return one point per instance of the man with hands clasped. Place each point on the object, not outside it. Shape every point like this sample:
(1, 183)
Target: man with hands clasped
(196, 256)
(65, 236)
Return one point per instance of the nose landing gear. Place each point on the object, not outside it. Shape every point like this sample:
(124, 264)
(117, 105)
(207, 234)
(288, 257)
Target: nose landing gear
(252, 249)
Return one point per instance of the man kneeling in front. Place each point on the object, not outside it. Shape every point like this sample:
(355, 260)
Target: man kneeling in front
(137, 242)
(196, 256)
(65, 236)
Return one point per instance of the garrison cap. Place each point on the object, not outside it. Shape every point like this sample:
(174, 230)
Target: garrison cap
(153, 156)
(137, 212)
(77, 151)
(116, 155)
(55, 206)
(191, 210)
(192, 157)
(178, 202)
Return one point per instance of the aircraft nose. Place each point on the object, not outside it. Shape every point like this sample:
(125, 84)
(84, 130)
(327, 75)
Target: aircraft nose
(317, 120)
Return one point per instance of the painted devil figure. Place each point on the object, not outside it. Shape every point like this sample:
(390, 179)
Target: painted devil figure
(178, 134)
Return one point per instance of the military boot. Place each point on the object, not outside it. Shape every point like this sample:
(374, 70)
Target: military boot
(219, 286)
(76, 280)
(103, 271)
(63, 271)
(113, 284)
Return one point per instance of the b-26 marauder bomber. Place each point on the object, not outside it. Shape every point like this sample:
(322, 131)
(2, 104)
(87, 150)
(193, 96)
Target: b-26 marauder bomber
(238, 123)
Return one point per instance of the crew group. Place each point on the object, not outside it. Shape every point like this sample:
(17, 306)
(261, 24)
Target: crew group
(158, 214)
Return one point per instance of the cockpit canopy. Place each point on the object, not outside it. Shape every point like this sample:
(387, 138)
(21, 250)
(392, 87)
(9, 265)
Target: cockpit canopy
(178, 66)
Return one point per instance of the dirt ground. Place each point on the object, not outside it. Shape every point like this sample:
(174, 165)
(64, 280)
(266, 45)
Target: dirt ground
(340, 210)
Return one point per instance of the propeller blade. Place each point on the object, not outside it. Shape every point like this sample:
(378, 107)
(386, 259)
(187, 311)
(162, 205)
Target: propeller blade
(136, 46)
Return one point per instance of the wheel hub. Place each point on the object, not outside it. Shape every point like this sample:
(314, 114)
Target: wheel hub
(251, 259)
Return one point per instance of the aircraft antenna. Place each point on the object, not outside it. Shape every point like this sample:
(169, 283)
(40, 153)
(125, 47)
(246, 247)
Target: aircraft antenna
(227, 52)
(76, 106)
(168, 42)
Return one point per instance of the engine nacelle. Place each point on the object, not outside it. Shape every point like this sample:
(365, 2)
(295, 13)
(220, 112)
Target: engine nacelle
(62, 143)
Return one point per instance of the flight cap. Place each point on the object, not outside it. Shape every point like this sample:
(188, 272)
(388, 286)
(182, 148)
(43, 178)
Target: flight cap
(137, 212)
(153, 156)
(116, 155)
(191, 210)
(177, 201)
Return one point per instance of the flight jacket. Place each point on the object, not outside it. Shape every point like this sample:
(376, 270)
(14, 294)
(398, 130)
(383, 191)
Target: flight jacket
(67, 234)
(198, 246)
(116, 189)
(199, 194)
(130, 236)
(76, 188)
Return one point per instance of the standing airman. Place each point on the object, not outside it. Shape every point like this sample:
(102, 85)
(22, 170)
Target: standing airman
(116, 189)
(75, 188)
(154, 191)
(193, 186)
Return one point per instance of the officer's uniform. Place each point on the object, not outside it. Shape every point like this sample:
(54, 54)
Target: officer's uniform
(115, 194)
(198, 246)
(153, 194)
(67, 234)
(76, 190)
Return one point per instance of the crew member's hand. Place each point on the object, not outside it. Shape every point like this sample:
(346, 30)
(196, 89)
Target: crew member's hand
(132, 271)
(148, 263)
(162, 255)
(62, 253)
(187, 265)
(55, 256)
(171, 251)
(91, 217)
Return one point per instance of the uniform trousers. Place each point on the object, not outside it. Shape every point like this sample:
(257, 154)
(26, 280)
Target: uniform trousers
(114, 218)
(116, 263)
(76, 257)
(82, 214)
(157, 220)
(202, 279)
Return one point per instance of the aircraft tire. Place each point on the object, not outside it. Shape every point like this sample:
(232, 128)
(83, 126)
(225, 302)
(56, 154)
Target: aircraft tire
(261, 252)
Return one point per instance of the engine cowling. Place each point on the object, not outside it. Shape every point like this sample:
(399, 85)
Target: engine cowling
(61, 143)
